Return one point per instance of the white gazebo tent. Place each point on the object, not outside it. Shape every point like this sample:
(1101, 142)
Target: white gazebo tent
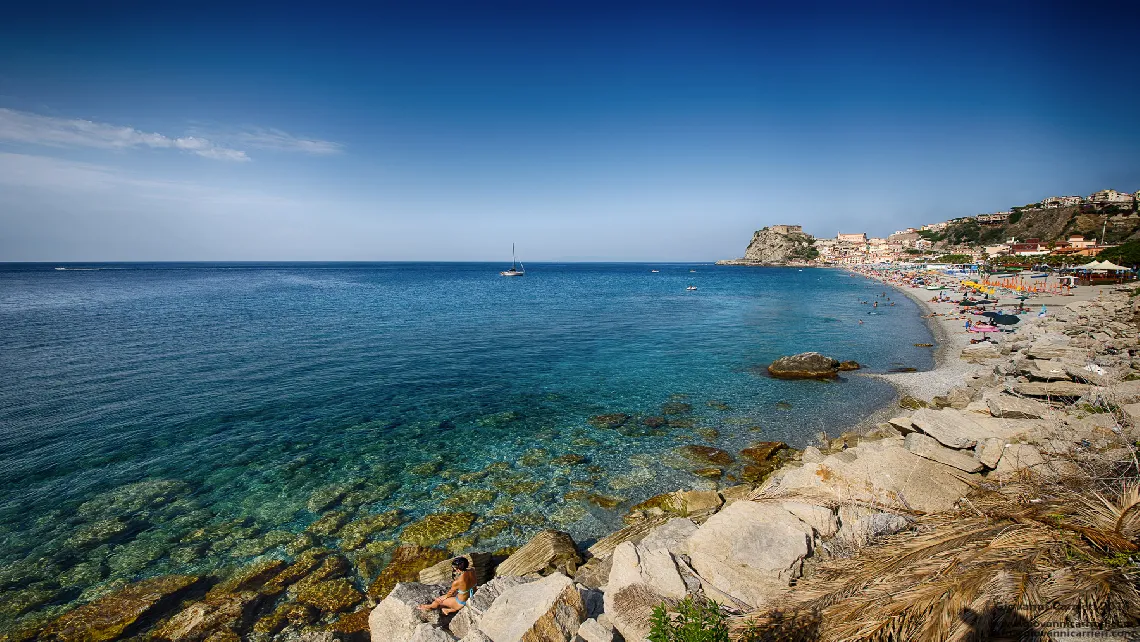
(1103, 266)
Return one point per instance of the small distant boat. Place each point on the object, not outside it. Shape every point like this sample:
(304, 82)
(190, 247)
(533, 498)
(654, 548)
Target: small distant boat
(691, 288)
(692, 270)
(655, 270)
(517, 268)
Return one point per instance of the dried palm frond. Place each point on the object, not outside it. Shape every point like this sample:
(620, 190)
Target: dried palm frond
(1121, 516)
(961, 578)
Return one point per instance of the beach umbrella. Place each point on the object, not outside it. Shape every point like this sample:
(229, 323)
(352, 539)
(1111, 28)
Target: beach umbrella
(1005, 319)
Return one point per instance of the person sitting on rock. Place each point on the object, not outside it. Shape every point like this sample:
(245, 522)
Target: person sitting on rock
(456, 598)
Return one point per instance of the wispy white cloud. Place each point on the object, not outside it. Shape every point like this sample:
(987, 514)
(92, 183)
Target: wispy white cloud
(280, 141)
(37, 129)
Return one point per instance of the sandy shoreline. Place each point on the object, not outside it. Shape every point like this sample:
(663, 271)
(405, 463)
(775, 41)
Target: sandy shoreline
(949, 369)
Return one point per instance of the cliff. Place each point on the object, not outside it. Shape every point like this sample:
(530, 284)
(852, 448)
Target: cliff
(773, 247)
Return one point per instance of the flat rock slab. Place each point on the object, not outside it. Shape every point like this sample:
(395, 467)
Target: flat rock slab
(751, 550)
(671, 536)
(547, 551)
(639, 581)
(1011, 407)
(929, 448)
(950, 427)
(1063, 389)
(889, 475)
(1019, 457)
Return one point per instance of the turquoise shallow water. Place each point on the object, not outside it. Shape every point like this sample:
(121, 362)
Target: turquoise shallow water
(160, 418)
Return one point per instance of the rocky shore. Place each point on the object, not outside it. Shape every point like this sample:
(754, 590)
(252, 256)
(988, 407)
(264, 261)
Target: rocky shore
(992, 441)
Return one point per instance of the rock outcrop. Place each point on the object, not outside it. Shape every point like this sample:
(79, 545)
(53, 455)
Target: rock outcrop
(777, 246)
(806, 365)
(549, 610)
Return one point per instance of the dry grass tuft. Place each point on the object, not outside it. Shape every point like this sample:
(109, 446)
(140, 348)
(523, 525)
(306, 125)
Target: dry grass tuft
(1018, 556)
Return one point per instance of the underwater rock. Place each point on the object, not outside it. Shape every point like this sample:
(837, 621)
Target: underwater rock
(111, 616)
(330, 596)
(492, 528)
(329, 523)
(426, 468)
(682, 423)
(325, 498)
(612, 420)
(569, 459)
(708, 433)
(357, 533)
(462, 544)
(250, 578)
(469, 497)
(287, 614)
(709, 473)
(407, 562)
(20, 601)
(845, 366)
(516, 484)
(716, 404)
(224, 612)
(104, 531)
(534, 457)
(133, 499)
(82, 574)
(305, 563)
(634, 478)
(434, 528)
(676, 408)
(352, 626)
(604, 501)
(546, 552)
(567, 514)
(706, 455)
(654, 421)
(763, 451)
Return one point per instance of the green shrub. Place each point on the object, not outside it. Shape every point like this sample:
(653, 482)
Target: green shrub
(695, 621)
(1014, 216)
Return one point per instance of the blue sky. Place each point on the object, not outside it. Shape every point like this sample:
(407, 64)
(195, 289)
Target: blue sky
(580, 131)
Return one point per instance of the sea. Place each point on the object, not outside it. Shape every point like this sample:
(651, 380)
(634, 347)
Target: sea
(162, 418)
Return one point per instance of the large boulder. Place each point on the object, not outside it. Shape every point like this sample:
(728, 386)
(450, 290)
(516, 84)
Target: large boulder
(468, 618)
(547, 552)
(396, 618)
(806, 365)
(640, 579)
(751, 550)
(547, 610)
(429, 633)
(929, 448)
(593, 630)
(672, 536)
(442, 572)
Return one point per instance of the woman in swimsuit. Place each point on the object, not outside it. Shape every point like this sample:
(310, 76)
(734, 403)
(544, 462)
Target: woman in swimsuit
(460, 592)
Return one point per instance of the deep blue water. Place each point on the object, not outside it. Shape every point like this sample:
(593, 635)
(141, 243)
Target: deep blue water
(175, 397)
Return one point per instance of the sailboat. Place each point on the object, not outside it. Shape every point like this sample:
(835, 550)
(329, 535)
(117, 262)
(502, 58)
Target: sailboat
(517, 268)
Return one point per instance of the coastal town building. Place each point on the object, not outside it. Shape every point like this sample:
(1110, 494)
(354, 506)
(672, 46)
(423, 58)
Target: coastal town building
(1029, 247)
(997, 218)
(860, 238)
(1109, 196)
(1054, 202)
(1080, 242)
(935, 227)
(788, 229)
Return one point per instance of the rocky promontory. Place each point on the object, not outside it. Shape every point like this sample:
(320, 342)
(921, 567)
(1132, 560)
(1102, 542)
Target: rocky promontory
(778, 245)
